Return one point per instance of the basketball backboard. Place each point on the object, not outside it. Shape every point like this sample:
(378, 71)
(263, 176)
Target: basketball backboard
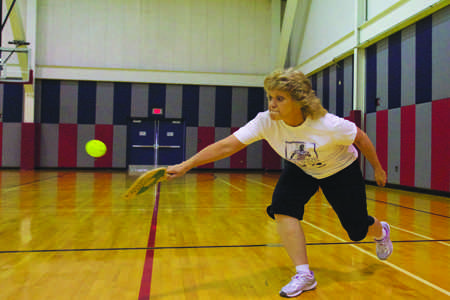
(15, 65)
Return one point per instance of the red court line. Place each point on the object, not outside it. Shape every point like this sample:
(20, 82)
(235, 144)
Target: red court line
(146, 281)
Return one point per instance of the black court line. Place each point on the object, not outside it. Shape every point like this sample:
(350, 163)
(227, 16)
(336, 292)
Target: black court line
(406, 207)
(201, 247)
(32, 182)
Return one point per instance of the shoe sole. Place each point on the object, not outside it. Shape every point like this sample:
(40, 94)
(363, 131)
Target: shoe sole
(283, 294)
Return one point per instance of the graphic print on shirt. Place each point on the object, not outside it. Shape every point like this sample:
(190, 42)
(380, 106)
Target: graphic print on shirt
(303, 154)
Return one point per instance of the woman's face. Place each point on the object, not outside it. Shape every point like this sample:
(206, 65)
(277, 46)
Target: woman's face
(283, 107)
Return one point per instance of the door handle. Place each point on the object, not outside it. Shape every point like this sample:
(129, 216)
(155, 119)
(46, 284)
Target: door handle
(156, 146)
(172, 147)
(143, 146)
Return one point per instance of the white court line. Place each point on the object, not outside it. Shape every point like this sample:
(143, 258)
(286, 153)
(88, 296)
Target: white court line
(12, 188)
(227, 183)
(260, 183)
(383, 261)
(419, 235)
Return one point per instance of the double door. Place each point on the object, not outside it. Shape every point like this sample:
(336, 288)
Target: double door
(155, 143)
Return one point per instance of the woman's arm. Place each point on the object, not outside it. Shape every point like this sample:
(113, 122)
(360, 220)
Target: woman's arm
(220, 149)
(364, 144)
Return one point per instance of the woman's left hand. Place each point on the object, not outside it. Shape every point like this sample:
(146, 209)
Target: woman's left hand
(380, 177)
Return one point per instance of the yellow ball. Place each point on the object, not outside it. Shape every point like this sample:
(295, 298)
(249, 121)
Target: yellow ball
(95, 148)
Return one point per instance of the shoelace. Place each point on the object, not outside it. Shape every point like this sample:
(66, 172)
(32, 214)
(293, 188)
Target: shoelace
(303, 277)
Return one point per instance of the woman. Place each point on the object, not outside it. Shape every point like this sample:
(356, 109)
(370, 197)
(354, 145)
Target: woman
(319, 152)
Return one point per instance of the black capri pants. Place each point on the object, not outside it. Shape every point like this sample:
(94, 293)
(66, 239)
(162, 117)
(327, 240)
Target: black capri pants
(345, 191)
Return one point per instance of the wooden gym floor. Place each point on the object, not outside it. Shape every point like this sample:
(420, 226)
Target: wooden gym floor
(69, 235)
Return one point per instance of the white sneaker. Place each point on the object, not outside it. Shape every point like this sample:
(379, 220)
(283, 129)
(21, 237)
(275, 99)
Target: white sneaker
(384, 246)
(300, 282)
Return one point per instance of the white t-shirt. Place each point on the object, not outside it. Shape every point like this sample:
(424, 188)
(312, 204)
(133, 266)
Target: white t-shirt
(319, 147)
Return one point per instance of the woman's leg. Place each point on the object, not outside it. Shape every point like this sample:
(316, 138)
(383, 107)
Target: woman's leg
(375, 230)
(346, 192)
(292, 192)
(293, 238)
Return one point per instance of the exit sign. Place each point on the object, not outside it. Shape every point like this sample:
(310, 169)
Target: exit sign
(157, 111)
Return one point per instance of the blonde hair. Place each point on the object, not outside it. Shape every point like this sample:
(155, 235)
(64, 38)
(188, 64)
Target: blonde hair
(299, 87)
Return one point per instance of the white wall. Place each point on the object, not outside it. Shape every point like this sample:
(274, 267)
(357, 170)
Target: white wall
(201, 41)
(153, 38)
(328, 21)
(375, 7)
(330, 32)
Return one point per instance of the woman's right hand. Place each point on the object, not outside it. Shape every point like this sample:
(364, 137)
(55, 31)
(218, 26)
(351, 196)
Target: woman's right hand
(176, 171)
